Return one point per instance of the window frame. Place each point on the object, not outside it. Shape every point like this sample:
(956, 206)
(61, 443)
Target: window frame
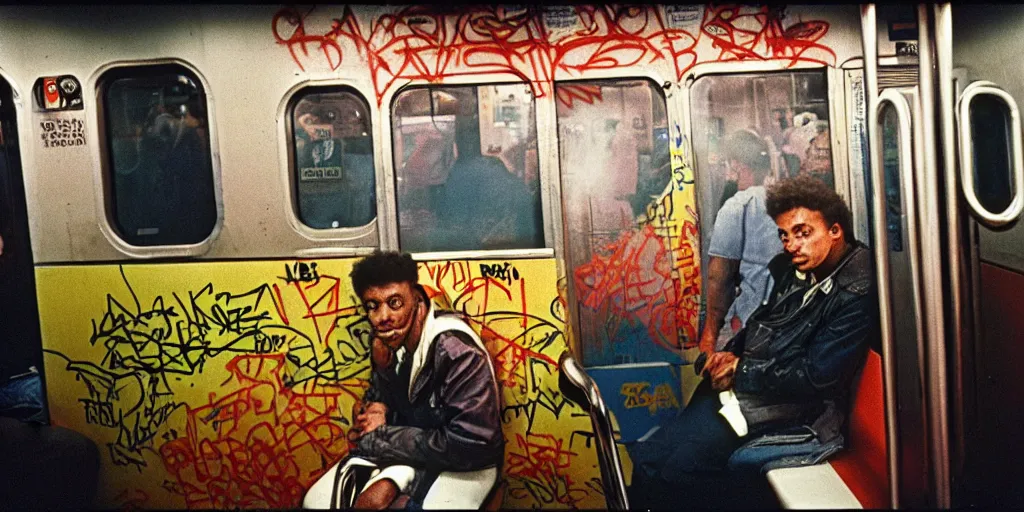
(1014, 155)
(103, 160)
(353, 240)
(547, 171)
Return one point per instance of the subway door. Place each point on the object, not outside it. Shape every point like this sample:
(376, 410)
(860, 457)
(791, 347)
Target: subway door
(922, 317)
(19, 318)
(987, 42)
(629, 237)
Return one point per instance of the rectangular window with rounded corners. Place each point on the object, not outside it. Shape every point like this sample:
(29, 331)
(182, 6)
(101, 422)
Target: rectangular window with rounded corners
(750, 130)
(332, 158)
(159, 164)
(991, 133)
(615, 166)
(466, 168)
(991, 154)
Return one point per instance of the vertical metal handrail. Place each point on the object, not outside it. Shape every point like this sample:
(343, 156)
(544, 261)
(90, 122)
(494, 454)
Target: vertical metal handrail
(954, 243)
(869, 40)
(932, 252)
(908, 154)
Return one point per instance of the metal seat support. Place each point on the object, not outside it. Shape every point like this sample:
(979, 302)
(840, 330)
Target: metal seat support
(577, 386)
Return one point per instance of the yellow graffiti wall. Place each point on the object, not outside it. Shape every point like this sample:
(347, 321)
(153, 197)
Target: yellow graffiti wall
(231, 384)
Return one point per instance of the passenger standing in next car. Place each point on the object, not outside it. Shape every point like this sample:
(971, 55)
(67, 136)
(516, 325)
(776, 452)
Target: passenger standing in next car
(806, 149)
(784, 381)
(484, 206)
(743, 241)
(428, 431)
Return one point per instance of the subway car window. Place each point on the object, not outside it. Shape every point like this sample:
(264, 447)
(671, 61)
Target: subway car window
(752, 129)
(990, 134)
(614, 160)
(891, 165)
(160, 166)
(466, 167)
(333, 158)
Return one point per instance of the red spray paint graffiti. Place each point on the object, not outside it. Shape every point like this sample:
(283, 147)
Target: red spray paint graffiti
(242, 449)
(424, 43)
(633, 277)
(741, 34)
(542, 465)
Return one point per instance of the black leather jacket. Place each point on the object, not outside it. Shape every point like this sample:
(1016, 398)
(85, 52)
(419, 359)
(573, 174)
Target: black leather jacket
(797, 360)
(451, 419)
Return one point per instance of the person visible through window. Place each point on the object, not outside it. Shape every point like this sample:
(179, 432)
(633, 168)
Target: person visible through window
(334, 153)
(742, 243)
(483, 205)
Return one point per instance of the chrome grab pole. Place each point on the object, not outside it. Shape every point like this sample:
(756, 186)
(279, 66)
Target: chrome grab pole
(938, 424)
(909, 153)
(954, 244)
(869, 39)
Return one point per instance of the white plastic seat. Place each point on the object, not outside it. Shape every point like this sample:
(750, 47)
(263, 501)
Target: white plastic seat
(812, 487)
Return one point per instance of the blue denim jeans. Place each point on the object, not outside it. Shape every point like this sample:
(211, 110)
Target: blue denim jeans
(21, 398)
(797, 446)
(698, 439)
(685, 463)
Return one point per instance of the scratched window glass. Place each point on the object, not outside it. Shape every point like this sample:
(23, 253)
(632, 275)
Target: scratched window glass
(752, 129)
(466, 168)
(613, 142)
(332, 158)
(159, 162)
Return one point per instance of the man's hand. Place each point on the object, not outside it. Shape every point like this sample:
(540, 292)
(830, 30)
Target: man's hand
(725, 377)
(721, 367)
(382, 354)
(368, 416)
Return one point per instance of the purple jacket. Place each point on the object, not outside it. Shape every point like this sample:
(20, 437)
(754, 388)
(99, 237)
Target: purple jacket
(448, 418)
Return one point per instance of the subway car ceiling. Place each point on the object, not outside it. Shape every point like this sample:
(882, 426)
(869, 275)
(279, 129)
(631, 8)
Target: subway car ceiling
(249, 79)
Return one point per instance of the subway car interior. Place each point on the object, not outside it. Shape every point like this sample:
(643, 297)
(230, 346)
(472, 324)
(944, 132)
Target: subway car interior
(186, 189)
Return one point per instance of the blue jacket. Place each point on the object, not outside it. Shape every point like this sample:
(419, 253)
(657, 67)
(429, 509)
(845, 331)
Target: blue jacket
(798, 358)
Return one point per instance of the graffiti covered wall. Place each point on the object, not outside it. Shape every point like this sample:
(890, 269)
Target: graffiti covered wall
(637, 294)
(231, 384)
(540, 44)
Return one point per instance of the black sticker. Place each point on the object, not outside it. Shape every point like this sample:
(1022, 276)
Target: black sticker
(56, 93)
(903, 30)
(62, 133)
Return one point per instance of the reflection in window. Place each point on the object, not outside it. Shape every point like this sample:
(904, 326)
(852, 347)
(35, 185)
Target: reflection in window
(787, 111)
(466, 167)
(990, 134)
(891, 165)
(614, 161)
(158, 138)
(333, 159)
